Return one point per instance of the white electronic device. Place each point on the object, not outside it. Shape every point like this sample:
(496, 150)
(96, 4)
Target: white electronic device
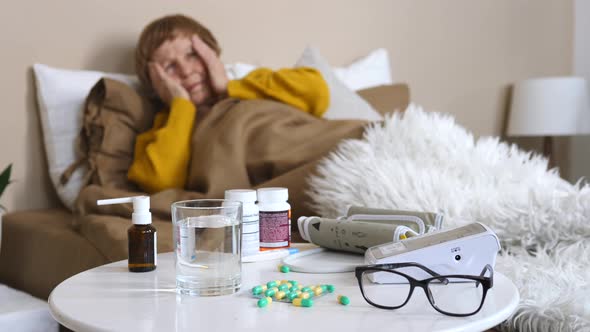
(463, 250)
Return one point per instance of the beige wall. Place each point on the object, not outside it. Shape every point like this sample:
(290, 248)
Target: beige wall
(458, 56)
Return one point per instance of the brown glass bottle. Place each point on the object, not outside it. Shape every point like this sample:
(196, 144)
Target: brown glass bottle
(142, 248)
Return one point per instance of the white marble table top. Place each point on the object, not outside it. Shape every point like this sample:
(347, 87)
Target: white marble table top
(111, 298)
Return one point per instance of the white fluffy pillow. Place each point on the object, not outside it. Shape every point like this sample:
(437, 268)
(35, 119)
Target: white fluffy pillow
(344, 103)
(61, 94)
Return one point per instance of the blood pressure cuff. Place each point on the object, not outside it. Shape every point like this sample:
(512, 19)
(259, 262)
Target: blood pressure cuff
(365, 227)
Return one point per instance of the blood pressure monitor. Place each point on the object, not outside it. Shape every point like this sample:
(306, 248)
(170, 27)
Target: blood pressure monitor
(462, 250)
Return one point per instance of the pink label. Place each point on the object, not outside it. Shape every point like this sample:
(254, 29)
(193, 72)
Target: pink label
(275, 229)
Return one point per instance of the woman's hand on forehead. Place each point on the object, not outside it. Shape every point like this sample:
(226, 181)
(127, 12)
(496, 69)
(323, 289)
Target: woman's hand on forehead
(214, 65)
(166, 87)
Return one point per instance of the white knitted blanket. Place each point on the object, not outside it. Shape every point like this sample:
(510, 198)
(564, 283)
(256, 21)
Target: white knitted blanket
(424, 161)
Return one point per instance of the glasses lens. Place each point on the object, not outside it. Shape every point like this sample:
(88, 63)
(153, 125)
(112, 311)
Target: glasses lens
(385, 294)
(459, 296)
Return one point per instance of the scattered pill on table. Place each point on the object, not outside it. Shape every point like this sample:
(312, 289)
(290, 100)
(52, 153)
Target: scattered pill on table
(344, 300)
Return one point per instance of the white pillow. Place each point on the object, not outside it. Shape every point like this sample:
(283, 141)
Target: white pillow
(344, 103)
(370, 71)
(61, 94)
(238, 70)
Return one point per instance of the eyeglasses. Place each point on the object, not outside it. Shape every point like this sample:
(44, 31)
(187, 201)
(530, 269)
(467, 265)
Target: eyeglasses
(385, 287)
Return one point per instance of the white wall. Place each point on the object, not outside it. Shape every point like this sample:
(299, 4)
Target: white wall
(580, 147)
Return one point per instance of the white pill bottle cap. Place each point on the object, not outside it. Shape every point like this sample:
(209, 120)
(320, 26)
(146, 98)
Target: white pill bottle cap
(141, 208)
(273, 195)
(241, 195)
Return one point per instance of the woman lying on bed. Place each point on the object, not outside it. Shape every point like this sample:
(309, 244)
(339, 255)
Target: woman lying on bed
(178, 59)
(210, 134)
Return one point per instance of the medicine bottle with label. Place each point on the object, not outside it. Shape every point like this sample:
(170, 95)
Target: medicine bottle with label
(250, 225)
(275, 218)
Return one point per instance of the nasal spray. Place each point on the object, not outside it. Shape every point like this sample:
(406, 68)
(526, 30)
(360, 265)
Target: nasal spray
(141, 236)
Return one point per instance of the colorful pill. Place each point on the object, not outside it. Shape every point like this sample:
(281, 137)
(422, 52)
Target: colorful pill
(293, 282)
(276, 289)
(280, 295)
(284, 281)
(302, 302)
(283, 287)
(284, 269)
(317, 291)
(269, 292)
(289, 284)
(330, 288)
(303, 295)
(306, 302)
(291, 296)
(263, 302)
(264, 288)
(257, 290)
(306, 289)
(269, 299)
(324, 288)
(271, 284)
(344, 300)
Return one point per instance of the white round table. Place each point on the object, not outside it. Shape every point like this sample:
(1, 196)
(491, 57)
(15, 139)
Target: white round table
(110, 298)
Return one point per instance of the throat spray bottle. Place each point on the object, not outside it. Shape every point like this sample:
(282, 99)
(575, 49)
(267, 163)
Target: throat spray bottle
(141, 236)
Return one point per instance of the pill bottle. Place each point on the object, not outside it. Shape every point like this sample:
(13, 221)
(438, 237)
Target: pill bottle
(250, 225)
(275, 218)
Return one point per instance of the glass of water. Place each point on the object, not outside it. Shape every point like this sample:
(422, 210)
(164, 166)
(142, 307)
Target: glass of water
(207, 243)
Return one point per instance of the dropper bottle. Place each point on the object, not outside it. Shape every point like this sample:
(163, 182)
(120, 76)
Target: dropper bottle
(142, 237)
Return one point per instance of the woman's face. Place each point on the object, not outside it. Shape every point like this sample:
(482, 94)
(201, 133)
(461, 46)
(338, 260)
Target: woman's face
(181, 62)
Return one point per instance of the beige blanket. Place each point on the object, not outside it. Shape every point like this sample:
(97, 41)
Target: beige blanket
(239, 144)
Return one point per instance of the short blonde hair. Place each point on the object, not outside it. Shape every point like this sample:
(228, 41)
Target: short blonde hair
(161, 30)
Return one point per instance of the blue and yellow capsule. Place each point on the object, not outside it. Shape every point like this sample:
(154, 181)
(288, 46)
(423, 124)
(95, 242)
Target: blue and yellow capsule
(257, 290)
(344, 300)
(291, 296)
(263, 302)
(303, 302)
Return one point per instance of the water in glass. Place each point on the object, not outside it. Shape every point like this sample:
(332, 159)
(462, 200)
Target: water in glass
(208, 255)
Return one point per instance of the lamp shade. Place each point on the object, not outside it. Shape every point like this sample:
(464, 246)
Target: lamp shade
(555, 106)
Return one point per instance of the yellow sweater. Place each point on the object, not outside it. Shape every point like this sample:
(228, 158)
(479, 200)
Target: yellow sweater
(162, 154)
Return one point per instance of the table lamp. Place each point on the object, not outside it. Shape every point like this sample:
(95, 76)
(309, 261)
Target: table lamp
(547, 107)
